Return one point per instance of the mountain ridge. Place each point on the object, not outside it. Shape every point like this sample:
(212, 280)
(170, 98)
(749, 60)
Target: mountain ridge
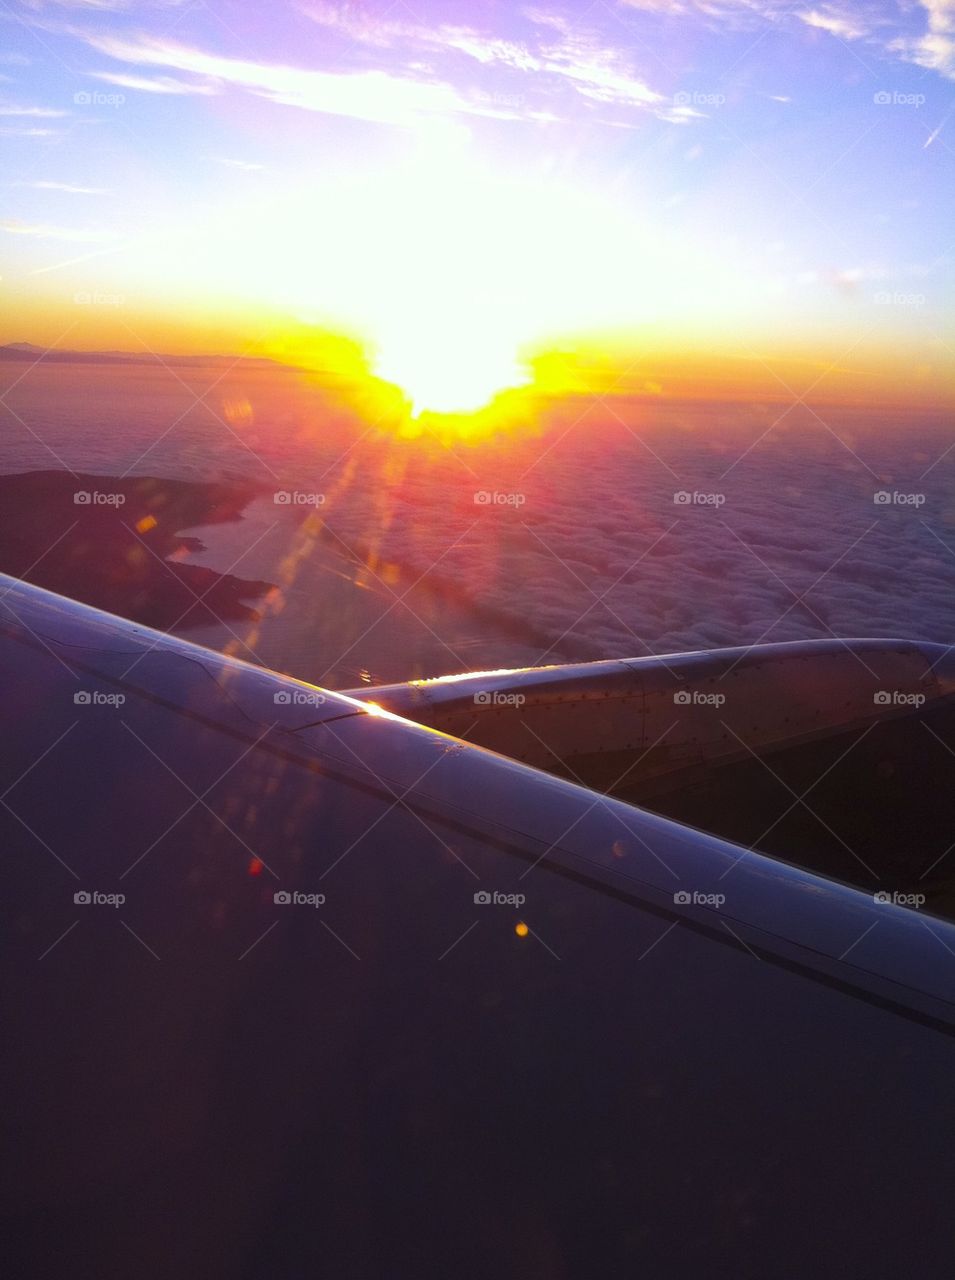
(54, 355)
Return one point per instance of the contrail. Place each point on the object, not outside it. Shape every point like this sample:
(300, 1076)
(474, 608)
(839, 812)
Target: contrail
(939, 127)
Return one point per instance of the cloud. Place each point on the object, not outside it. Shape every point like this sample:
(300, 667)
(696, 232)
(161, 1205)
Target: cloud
(597, 73)
(40, 113)
(42, 231)
(881, 26)
(62, 186)
(247, 166)
(730, 13)
(845, 26)
(15, 132)
(666, 7)
(153, 84)
(368, 95)
(935, 48)
(101, 6)
(594, 69)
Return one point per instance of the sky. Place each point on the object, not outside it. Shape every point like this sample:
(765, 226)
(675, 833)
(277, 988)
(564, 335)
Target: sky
(464, 190)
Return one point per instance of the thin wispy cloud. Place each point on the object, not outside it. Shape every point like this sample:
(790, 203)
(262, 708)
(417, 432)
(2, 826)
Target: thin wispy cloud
(38, 113)
(49, 185)
(14, 131)
(153, 84)
(557, 52)
(73, 262)
(44, 231)
(886, 29)
(102, 6)
(247, 166)
(728, 14)
(375, 96)
(934, 49)
(844, 25)
(936, 132)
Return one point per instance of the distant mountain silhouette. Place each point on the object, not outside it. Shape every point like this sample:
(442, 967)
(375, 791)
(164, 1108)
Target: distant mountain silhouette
(114, 542)
(29, 351)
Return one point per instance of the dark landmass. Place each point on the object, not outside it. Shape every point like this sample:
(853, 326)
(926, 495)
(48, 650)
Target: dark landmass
(28, 351)
(116, 545)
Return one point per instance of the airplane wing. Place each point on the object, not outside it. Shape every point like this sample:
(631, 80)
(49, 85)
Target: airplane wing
(296, 985)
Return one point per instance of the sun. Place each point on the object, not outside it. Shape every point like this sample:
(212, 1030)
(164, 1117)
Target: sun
(448, 368)
(446, 271)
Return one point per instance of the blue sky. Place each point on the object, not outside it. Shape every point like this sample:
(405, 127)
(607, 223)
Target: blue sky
(778, 171)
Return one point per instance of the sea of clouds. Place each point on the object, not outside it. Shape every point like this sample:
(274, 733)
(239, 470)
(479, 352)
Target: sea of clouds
(611, 528)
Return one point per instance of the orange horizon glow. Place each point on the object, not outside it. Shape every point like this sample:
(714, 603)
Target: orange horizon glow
(450, 220)
(437, 289)
(480, 390)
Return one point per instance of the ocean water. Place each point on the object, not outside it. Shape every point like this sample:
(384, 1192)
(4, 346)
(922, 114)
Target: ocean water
(595, 529)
